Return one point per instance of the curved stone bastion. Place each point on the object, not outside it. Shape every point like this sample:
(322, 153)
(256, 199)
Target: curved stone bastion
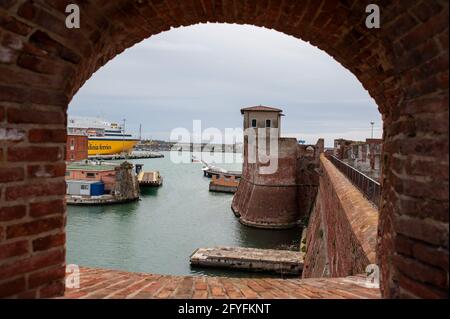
(282, 199)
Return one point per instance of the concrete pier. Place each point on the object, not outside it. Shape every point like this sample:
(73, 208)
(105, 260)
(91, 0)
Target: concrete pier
(210, 172)
(97, 200)
(134, 155)
(251, 259)
(222, 188)
(224, 184)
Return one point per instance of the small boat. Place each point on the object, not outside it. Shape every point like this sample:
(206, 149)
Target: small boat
(195, 160)
(150, 179)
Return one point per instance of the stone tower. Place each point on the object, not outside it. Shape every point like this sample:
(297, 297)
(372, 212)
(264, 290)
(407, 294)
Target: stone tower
(277, 198)
(266, 200)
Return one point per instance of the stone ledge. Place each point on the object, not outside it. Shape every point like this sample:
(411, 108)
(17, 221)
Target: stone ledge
(284, 262)
(113, 284)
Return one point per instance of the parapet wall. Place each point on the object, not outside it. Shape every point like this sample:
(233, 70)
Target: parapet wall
(342, 230)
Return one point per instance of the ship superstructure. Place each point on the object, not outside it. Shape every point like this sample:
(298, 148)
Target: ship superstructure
(105, 138)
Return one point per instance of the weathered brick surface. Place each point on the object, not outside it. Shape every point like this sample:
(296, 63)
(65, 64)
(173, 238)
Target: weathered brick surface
(403, 65)
(342, 232)
(282, 199)
(112, 284)
(14, 249)
(11, 174)
(46, 171)
(35, 227)
(45, 243)
(9, 213)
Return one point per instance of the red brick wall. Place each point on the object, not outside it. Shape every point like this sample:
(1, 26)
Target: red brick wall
(269, 200)
(403, 65)
(282, 199)
(342, 230)
(77, 148)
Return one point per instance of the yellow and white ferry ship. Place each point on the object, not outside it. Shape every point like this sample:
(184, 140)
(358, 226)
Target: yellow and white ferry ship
(105, 138)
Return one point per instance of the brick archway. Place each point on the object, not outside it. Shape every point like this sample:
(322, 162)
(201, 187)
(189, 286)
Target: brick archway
(403, 65)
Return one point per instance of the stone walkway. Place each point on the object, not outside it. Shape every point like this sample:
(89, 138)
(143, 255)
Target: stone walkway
(103, 283)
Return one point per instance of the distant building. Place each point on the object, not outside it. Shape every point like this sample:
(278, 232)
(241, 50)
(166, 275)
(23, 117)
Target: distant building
(262, 117)
(85, 188)
(77, 148)
(365, 156)
(93, 173)
(340, 147)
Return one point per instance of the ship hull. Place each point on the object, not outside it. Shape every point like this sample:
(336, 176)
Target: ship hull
(110, 146)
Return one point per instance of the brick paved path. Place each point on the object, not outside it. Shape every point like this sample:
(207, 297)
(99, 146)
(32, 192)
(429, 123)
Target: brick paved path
(103, 283)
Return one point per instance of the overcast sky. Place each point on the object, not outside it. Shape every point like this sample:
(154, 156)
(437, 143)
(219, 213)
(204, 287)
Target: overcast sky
(209, 72)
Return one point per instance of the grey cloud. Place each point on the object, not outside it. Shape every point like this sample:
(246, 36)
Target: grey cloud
(209, 72)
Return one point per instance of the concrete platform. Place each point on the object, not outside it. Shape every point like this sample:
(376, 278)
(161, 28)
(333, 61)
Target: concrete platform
(251, 259)
(222, 189)
(134, 155)
(96, 201)
(113, 284)
(210, 172)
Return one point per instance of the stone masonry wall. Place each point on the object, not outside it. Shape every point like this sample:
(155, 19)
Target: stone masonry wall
(269, 201)
(308, 164)
(126, 187)
(342, 231)
(282, 199)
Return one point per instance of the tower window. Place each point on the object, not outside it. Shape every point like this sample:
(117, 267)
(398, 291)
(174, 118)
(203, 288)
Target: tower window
(268, 123)
(254, 123)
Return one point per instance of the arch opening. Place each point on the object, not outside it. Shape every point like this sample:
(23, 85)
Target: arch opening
(137, 66)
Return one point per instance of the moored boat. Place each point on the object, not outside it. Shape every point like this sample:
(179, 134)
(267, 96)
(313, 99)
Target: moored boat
(195, 160)
(104, 137)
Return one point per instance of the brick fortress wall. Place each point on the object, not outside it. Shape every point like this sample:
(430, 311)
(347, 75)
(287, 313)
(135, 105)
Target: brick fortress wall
(282, 199)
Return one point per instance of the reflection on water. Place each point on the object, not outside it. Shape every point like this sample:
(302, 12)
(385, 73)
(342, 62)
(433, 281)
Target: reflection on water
(149, 191)
(159, 233)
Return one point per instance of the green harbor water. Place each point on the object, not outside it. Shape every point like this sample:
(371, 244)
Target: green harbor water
(159, 233)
